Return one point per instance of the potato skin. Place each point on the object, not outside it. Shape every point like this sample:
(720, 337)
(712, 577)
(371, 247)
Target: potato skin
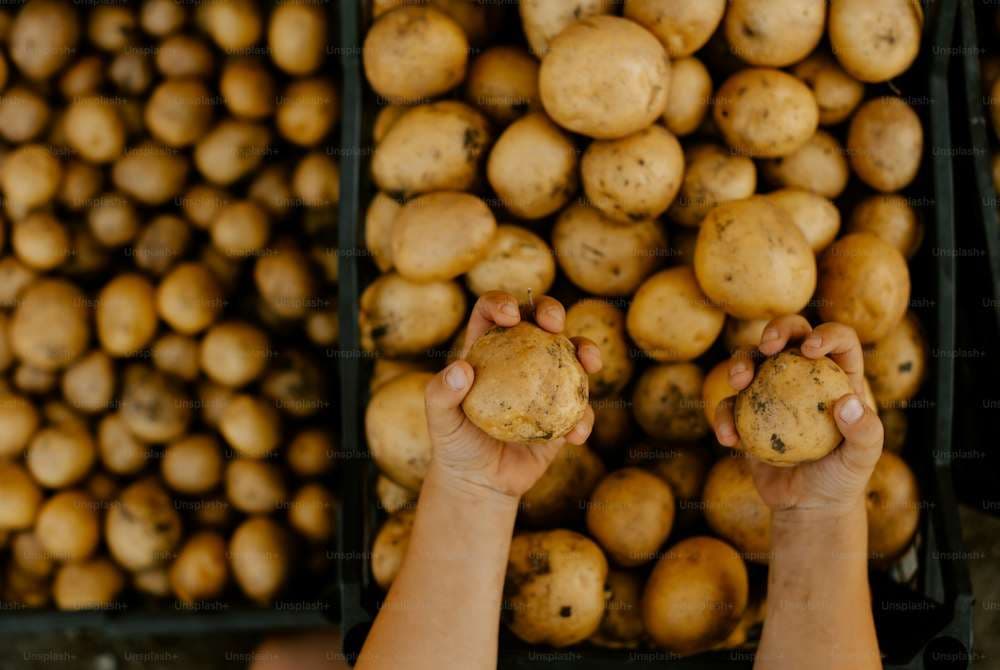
(389, 548)
(50, 326)
(837, 93)
(667, 402)
(885, 143)
(636, 177)
(400, 318)
(259, 557)
(20, 497)
(557, 497)
(543, 20)
(774, 33)
(785, 416)
(439, 236)
(752, 261)
(671, 319)
(379, 219)
(529, 386)
(871, 307)
(554, 591)
(91, 584)
(765, 113)
(682, 27)
(414, 53)
(819, 166)
(396, 429)
(689, 98)
(892, 501)
(631, 513)
(695, 595)
(621, 626)
(890, 217)
(602, 256)
(712, 175)
(517, 261)
(626, 84)
(896, 364)
(126, 314)
(735, 510)
(604, 325)
(201, 569)
(503, 83)
(142, 527)
(68, 526)
(532, 167)
(817, 218)
(20, 421)
(875, 41)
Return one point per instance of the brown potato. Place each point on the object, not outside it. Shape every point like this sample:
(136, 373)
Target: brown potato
(40, 240)
(312, 512)
(295, 383)
(184, 55)
(179, 112)
(82, 78)
(235, 25)
(161, 243)
(695, 595)
(52, 23)
(885, 143)
(890, 217)
(713, 175)
(752, 261)
(396, 429)
(132, 71)
(558, 496)
(80, 185)
(240, 229)
(50, 326)
(837, 93)
(631, 513)
(89, 383)
(254, 486)
(307, 111)
(24, 114)
(61, 456)
(626, 83)
(528, 386)
(621, 626)
(604, 325)
(231, 150)
(111, 27)
(543, 20)
(153, 405)
(30, 177)
(671, 319)
(389, 548)
(392, 497)
(603, 257)
(20, 497)
(517, 261)
(234, 353)
(248, 88)
(820, 166)
(817, 218)
(189, 298)
(33, 380)
(896, 425)
(92, 584)
(735, 510)
(113, 220)
(296, 37)
(142, 527)
(161, 17)
(120, 451)
(177, 355)
(667, 402)
(150, 173)
(896, 364)
(259, 557)
(192, 465)
(684, 466)
(201, 569)
(126, 314)
(68, 526)
(311, 453)
(94, 129)
(18, 423)
(503, 83)
(251, 426)
(316, 180)
(875, 42)
(892, 501)
(683, 28)
(774, 33)
(399, 317)
(784, 417)
(29, 555)
(689, 98)
(874, 305)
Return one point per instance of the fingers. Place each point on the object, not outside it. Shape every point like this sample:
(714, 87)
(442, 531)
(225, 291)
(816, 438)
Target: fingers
(494, 308)
(782, 329)
(443, 399)
(588, 353)
(581, 431)
(550, 314)
(725, 423)
(741, 368)
(841, 344)
(862, 431)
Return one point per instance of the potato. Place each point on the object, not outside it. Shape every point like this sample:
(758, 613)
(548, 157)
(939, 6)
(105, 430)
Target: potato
(120, 451)
(94, 129)
(231, 150)
(142, 527)
(255, 487)
(765, 113)
(684, 466)
(689, 97)
(785, 417)
(307, 111)
(516, 261)
(112, 219)
(161, 243)
(29, 555)
(532, 167)
(177, 355)
(628, 78)
(18, 423)
(259, 557)
(399, 317)
(752, 261)
(434, 147)
(396, 429)
(24, 114)
(89, 383)
(502, 82)
(603, 324)
(201, 569)
(234, 353)
(192, 465)
(389, 548)
(316, 180)
(529, 386)
(392, 497)
(58, 457)
(667, 402)
(891, 218)
(295, 383)
(559, 494)
(875, 42)
(820, 166)
(633, 178)
(439, 236)
(50, 325)
(896, 364)
(250, 425)
(837, 93)
(296, 37)
(775, 34)
(68, 526)
(235, 25)
(892, 502)
(184, 55)
(40, 240)
(213, 512)
(132, 72)
(33, 380)
(189, 298)
(311, 453)
(91, 584)
(153, 405)
(603, 257)
(885, 143)
(695, 595)
(241, 228)
(20, 497)
(179, 112)
(62, 415)
(874, 305)
(80, 185)
(161, 17)
(735, 510)
(631, 513)
(111, 28)
(82, 78)
(126, 314)
(412, 54)
(817, 218)
(30, 177)
(716, 388)
(621, 626)
(150, 173)
(895, 425)
(312, 512)
(544, 20)
(683, 28)
(43, 37)
(712, 176)
(671, 319)
(248, 88)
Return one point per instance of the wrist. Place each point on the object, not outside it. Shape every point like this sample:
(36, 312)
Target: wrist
(467, 490)
(817, 517)
(840, 533)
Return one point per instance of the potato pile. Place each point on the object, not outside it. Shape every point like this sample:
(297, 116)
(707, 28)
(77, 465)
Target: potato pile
(166, 276)
(677, 174)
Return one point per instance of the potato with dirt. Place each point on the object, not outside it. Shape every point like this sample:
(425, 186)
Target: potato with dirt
(713, 175)
(875, 42)
(667, 402)
(896, 364)
(630, 513)
(603, 324)
(819, 166)
(399, 317)
(774, 33)
(396, 429)
(50, 326)
(682, 27)
(885, 143)
(517, 261)
(142, 527)
(503, 83)
(557, 497)
(734, 509)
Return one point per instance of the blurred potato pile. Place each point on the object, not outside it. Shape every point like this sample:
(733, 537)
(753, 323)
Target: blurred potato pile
(167, 269)
(678, 174)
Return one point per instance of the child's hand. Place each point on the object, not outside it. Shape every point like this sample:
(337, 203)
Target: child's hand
(835, 483)
(467, 455)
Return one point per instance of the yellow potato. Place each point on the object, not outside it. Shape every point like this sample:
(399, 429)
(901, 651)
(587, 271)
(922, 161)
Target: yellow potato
(885, 143)
(396, 429)
(150, 173)
(154, 406)
(892, 501)
(379, 218)
(142, 527)
(18, 423)
(40, 241)
(89, 383)
(820, 166)
(189, 298)
(30, 177)
(251, 426)
(689, 98)
(179, 112)
(603, 324)
(192, 465)
(51, 23)
(896, 364)
(235, 25)
(817, 218)
(20, 497)
(296, 36)
(68, 526)
(517, 261)
(631, 513)
(92, 584)
(735, 510)
(255, 486)
(121, 452)
(392, 497)
(248, 88)
(878, 41)
(234, 353)
(307, 111)
(231, 150)
(389, 548)
(837, 93)
(50, 326)
(503, 83)
(311, 453)
(621, 626)
(312, 512)
(682, 27)
(774, 33)
(94, 129)
(713, 175)
(259, 557)
(544, 20)
(201, 569)
(890, 217)
(126, 314)
(557, 497)
(399, 317)
(715, 389)
(667, 402)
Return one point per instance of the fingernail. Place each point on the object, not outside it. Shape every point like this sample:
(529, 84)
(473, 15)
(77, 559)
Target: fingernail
(554, 312)
(455, 377)
(509, 309)
(737, 369)
(769, 334)
(813, 341)
(852, 410)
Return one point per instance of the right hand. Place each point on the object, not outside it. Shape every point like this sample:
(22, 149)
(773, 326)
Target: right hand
(834, 484)
(466, 456)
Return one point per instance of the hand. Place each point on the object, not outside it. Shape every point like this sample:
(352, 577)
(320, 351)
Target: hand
(463, 453)
(834, 484)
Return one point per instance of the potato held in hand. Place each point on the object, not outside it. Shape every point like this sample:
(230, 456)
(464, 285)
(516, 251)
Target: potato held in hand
(785, 416)
(529, 385)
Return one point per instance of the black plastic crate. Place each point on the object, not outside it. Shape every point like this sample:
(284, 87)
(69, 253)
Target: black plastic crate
(924, 625)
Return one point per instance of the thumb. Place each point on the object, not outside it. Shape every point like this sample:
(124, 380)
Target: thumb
(443, 399)
(862, 431)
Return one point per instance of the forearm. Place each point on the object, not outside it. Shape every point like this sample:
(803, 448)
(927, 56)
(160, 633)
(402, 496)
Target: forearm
(818, 602)
(443, 609)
